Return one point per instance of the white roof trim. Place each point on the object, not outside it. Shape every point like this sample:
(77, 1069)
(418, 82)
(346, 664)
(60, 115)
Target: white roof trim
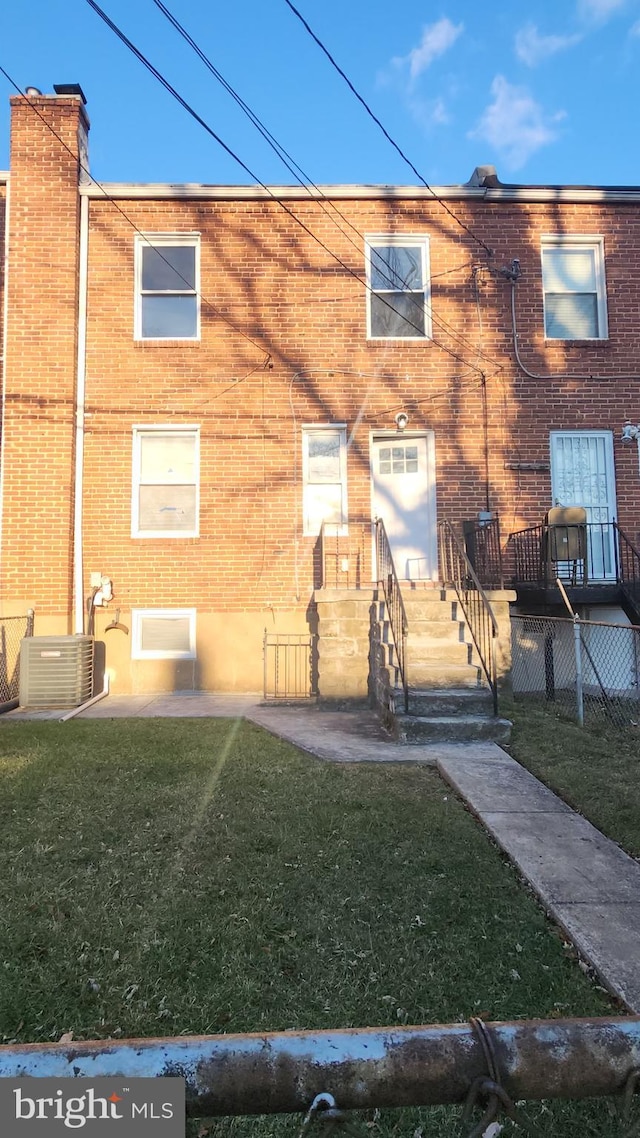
(257, 193)
(193, 190)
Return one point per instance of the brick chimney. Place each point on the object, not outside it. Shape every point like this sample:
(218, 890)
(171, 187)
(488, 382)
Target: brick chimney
(48, 134)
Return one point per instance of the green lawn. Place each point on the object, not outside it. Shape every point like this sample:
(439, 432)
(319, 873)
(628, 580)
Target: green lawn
(168, 876)
(594, 768)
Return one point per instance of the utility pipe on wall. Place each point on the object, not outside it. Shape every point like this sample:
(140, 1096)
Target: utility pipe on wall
(78, 563)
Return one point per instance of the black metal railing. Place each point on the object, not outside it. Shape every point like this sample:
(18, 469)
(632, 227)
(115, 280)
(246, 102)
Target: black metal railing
(593, 553)
(388, 581)
(12, 631)
(483, 548)
(457, 571)
(339, 559)
(628, 571)
(578, 555)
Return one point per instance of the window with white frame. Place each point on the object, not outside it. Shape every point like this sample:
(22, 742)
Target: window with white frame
(575, 302)
(324, 475)
(165, 492)
(167, 287)
(163, 634)
(398, 288)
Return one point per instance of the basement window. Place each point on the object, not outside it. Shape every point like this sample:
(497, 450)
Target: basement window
(165, 491)
(398, 288)
(167, 287)
(163, 634)
(575, 302)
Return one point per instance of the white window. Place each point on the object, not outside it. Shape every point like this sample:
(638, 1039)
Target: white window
(398, 293)
(163, 634)
(165, 495)
(167, 287)
(324, 473)
(575, 303)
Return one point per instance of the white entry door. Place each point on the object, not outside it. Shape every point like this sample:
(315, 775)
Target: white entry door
(582, 474)
(403, 480)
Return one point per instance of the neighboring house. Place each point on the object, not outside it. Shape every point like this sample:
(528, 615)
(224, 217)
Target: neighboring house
(196, 377)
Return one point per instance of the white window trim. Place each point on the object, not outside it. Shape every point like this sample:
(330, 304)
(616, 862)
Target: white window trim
(414, 239)
(167, 428)
(332, 528)
(157, 240)
(138, 653)
(579, 241)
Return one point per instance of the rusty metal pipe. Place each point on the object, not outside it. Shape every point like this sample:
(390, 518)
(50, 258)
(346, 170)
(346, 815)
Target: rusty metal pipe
(370, 1067)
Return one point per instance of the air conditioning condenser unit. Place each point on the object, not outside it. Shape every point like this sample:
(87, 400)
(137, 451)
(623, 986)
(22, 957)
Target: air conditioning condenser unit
(56, 671)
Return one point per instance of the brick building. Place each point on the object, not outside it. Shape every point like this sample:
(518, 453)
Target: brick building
(196, 377)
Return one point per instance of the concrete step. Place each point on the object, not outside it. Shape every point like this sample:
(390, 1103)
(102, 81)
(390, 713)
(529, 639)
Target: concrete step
(419, 608)
(441, 674)
(437, 630)
(434, 702)
(452, 729)
(429, 650)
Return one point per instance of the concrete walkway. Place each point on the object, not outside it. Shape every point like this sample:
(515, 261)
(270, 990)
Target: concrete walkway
(587, 884)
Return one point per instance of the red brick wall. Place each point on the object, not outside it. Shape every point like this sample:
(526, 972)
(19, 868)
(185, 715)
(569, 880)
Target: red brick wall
(285, 292)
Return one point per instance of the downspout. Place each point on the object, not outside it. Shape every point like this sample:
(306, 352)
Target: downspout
(78, 566)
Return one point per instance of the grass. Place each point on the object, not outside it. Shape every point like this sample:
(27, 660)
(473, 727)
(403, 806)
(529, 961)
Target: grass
(594, 768)
(198, 876)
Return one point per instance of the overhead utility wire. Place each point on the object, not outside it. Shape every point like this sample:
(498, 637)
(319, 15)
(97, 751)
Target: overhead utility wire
(376, 120)
(172, 91)
(194, 114)
(299, 174)
(122, 212)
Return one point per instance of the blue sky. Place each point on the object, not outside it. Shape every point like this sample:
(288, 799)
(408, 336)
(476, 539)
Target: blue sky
(545, 91)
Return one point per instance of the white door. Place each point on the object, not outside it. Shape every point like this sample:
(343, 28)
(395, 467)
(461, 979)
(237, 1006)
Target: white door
(582, 474)
(403, 481)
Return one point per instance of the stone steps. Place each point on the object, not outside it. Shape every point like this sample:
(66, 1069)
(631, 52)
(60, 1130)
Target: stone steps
(452, 729)
(449, 699)
(435, 702)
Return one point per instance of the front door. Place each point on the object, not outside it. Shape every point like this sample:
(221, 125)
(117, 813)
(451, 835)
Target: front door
(403, 480)
(582, 474)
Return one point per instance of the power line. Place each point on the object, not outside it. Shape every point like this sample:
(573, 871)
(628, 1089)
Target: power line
(198, 118)
(207, 303)
(376, 120)
(305, 181)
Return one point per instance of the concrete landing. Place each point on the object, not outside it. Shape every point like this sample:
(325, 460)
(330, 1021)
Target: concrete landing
(587, 883)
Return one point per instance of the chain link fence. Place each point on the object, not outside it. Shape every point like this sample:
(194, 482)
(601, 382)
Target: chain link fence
(12, 631)
(589, 669)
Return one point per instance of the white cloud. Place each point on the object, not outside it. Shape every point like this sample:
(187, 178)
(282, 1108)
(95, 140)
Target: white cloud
(429, 112)
(436, 39)
(514, 124)
(532, 48)
(598, 11)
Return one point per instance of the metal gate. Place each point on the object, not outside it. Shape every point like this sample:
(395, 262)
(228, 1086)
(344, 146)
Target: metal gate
(290, 665)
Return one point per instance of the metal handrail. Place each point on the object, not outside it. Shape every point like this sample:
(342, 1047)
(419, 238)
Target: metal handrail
(388, 580)
(628, 569)
(484, 550)
(457, 571)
